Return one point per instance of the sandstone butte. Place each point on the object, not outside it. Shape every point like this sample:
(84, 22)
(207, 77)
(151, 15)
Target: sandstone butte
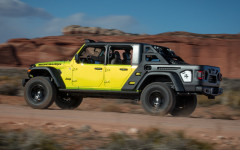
(222, 50)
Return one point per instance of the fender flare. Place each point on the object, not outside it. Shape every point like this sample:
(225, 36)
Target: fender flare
(173, 76)
(54, 73)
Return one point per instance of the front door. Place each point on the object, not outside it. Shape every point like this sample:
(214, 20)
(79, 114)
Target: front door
(88, 73)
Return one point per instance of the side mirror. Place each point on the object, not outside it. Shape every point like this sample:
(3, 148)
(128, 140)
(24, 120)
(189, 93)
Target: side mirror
(77, 58)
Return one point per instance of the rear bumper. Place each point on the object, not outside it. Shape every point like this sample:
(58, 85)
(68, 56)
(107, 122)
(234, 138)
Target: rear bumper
(209, 91)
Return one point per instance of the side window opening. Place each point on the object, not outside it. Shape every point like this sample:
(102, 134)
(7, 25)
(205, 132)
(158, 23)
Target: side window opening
(120, 55)
(92, 55)
(152, 58)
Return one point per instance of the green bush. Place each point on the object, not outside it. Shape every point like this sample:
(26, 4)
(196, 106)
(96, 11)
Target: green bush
(153, 139)
(27, 140)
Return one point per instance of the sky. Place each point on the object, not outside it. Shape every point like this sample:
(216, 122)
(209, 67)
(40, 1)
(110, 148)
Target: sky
(38, 18)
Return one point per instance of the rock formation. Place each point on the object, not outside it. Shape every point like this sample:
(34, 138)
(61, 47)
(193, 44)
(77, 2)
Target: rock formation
(79, 30)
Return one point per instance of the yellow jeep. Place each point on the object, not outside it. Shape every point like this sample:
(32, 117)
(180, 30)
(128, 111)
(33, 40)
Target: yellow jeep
(153, 74)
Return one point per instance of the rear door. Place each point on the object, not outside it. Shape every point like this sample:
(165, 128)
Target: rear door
(119, 66)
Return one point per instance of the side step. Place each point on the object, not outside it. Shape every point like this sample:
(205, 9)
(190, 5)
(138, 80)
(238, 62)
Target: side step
(103, 93)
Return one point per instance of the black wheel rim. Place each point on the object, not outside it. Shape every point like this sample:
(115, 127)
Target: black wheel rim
(37, 93)
(156, 101)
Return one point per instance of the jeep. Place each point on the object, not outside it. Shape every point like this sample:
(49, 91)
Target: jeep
(153, 74)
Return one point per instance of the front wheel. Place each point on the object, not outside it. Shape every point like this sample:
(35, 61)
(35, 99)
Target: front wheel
(185, 105)
(68, 102)
(39, 92)
(158, 98)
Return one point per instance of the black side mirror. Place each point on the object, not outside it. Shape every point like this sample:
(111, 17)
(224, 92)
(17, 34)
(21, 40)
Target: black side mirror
(77, 58)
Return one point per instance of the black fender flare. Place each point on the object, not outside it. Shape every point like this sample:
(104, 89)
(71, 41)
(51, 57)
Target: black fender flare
(54, 73)
(173, 76)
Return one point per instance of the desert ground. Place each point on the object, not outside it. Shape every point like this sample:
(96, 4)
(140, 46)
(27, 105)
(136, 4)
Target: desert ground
(95, 119)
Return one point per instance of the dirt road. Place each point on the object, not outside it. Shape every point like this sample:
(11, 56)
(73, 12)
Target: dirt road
(108, 121)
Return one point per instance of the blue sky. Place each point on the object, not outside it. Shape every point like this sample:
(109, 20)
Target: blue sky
(37, 18)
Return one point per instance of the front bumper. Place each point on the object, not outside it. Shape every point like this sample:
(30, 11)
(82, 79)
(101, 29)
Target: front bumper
(24, 81)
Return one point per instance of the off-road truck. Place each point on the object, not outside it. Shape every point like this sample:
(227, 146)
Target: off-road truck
(155, 75)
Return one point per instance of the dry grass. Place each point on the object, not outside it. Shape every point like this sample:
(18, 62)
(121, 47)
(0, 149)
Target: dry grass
(27, 140)
(153, 139)
(222, 116)
(11, 81)
(205, 102)
(10, 85)
(230, 98)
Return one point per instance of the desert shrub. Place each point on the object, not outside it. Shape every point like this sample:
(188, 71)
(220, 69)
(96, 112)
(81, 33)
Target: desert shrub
(205, 102)
(230, 96)
(153, 139)
(27, 140)
(11, 81)
(8, 89)
(3, 78)
(10, 85)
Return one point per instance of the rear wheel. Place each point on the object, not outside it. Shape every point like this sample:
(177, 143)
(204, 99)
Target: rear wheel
(185, 105)
(158, 98)
(40, 92)
(68, 102)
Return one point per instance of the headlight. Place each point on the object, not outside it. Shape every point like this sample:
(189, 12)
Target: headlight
(186, 76)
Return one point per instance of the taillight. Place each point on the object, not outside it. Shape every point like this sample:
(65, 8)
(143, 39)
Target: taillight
(220, 77)
(200, 75)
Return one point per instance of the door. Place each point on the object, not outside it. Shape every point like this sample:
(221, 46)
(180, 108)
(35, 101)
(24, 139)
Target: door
(118, 68)
(117, 75)
(88, 73)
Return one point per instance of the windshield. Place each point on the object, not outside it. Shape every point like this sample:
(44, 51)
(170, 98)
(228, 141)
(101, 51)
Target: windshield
(169, 55)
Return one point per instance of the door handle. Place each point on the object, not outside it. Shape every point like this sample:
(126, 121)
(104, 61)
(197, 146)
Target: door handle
(123, 69)
(98, 68)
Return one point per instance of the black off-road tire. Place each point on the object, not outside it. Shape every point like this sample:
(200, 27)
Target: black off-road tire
(158, 98)
(40, 92)
(68, 102)
(185, 105)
